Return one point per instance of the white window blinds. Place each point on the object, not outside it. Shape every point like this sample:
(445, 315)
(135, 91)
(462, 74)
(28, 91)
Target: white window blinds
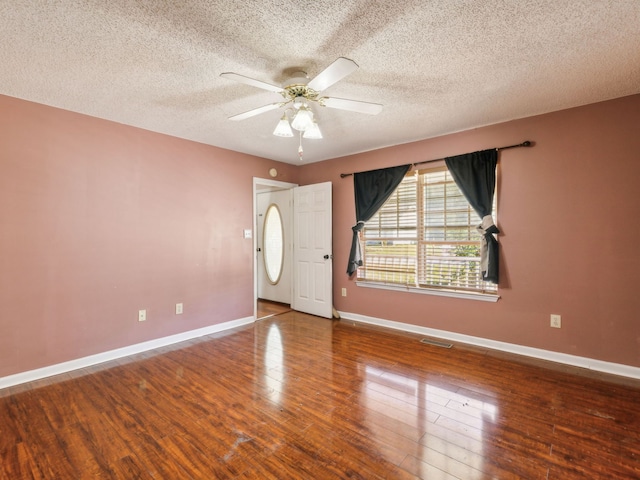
(424, 236)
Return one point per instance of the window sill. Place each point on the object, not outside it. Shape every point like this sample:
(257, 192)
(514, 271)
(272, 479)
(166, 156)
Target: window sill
(483, 297)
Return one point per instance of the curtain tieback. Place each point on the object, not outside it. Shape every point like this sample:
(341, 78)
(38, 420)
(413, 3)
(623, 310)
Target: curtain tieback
(358, 226)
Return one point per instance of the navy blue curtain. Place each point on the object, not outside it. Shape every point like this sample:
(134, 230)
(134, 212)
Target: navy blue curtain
(475, 175)
(371, 190)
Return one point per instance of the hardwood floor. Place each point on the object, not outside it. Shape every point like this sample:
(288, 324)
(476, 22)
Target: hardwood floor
(300, 397)
(267, 308)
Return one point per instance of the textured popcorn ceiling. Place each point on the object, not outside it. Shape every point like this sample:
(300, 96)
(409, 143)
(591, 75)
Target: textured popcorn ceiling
(437, 66)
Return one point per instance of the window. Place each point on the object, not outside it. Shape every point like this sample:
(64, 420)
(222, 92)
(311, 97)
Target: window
(273, 244)
(425, 236)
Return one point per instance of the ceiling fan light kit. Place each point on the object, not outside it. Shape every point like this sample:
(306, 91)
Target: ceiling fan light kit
(283, 129)
(299, 93)
(313, 132)
(303, 119)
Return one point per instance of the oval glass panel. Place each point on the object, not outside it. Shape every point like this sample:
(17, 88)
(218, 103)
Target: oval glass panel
(273, 244)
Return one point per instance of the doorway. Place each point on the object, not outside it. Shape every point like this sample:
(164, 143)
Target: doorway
(299, 273)
(272, 279)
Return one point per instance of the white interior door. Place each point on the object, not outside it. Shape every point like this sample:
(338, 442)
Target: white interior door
(274, 245)
(312, 252)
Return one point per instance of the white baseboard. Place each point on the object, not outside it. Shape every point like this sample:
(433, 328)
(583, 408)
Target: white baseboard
(584, 362)
(84, 362)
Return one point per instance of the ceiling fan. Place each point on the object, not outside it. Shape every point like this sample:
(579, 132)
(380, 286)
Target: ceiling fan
(300, 92)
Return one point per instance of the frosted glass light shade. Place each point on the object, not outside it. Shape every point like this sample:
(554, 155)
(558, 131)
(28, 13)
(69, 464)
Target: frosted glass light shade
(282, 128)
(313, 131)
(303, 119)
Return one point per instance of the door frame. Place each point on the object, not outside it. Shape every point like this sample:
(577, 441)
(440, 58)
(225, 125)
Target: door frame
(261, 185)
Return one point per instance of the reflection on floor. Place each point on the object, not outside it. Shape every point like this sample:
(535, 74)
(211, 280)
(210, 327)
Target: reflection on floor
(267, 308)
(301, 397)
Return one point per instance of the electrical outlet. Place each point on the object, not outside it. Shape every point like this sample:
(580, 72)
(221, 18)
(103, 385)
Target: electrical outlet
(142, 315)
(178, 309)
(344, 292)
(556, 321)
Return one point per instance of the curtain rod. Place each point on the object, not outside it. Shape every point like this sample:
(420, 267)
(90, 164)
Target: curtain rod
(526, 143)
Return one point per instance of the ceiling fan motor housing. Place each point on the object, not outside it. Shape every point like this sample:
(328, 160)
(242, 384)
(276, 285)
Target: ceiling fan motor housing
(298, 78)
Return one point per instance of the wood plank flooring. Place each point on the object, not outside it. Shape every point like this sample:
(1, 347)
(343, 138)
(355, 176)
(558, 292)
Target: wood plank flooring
(300, 397)
(268, 308)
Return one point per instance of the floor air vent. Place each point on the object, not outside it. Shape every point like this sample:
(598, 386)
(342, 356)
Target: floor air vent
(436, 343)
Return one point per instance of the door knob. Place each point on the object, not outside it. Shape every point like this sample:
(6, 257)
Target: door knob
(327, 257)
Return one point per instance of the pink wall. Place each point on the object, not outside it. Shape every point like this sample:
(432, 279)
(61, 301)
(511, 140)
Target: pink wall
(99, 220)
(569, 210)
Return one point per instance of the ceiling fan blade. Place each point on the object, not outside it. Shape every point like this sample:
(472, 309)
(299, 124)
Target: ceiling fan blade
(351, 105)
(335, 72)
(256, 111)
(251, 81)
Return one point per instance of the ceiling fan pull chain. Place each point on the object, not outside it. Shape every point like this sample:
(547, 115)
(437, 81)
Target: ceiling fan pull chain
(300, 151)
